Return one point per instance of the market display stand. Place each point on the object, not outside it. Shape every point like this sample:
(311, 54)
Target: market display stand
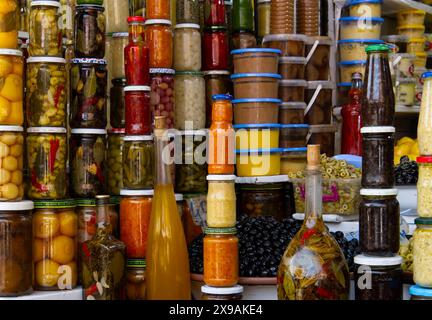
(75, 294)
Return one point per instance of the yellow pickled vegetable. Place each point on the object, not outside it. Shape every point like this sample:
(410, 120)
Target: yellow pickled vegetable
(46, 273)
(8, 138)
(7, 6)
(45, 225)
(12, 88)
(18, 68)
(10, 163)
(6, 66)
(10, 191)
(16, 116)
(68, 223)
(9, 39)
(5, 109)
(62, 249)
(38, 250)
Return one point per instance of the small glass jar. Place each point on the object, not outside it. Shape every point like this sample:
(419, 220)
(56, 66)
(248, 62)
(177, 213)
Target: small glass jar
(243, 40)
(216, 82)
(221, 201)
(115, 161)
(162, 100)
(138, 162)
(88, 79)
(138, 111)
(87, 162)
(16, 263)
(135, 212)
(46, 92)
(119, 42)
(424, 187)
(158, 9)
(215, 13)
(191, 161)
(215, 49)
(378, 278)
(187, 47)
(422, 252)
(67, 12)
(136, 53)
(45, 32)
(117, 103)
(137, 8)
(190, 110)
(55, 230)
(420, 294)
(135, 279)
(159, 38)
(222, 294)
(263, 18)
(221, 261)
(8, 24)
(116, 16)
(187, 11)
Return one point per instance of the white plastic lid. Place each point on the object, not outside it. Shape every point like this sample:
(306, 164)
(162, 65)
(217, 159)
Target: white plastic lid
(405, 81)
(222, 290)
(293, 105)
(16, 205)
(136, 88)
(46, 59)
(379, 192)
(293, 83)
(324, 84)
(378, 130)
(221, 177)
(11, 128)
(157, 21)
(124, 192)
(377, 261)
(187, 25)
(193, 133)
(179, 197)
(138, 138)
(45, 3)
(292, 60)
(161, 70)
(285, 37)
(120, 34)
(46, 130)
(262, 180)
(11, 52)
(88, 131)
(217, 72)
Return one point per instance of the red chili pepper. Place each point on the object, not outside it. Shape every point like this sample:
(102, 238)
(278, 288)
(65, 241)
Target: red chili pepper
(86, 250)
(39, 186)
(309, 233)
(57, 95)
(54, 146)
(325, 294)
(91, 290)
(99, 174)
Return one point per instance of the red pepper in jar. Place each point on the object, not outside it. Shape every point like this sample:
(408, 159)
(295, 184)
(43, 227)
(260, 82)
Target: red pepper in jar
(138, 112)
(54, 146)
(215, 49)
(39, 186)
(309, 233)
(57, 95)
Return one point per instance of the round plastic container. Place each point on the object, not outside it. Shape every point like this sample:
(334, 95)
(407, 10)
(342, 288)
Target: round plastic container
(291, 45)
(347, 68)
(360, 28)
(255, 85)
(365, 8)
(257, 111)
(258, 162)
(292, 90)
(355, 49)
(412, 31)
(292, 113)
(256, 60)
(257, 136)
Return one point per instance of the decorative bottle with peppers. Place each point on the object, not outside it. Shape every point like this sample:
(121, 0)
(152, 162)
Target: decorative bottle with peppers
(351, 119)
(313, 266)
(221, 136)
(137, 54)
(103, 259)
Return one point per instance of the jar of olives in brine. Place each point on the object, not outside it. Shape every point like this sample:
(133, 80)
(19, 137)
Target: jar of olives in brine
(9, 13)
(46, 161)
(90, 31)
(117, 103)
(135, 279)
(115, 161)
(46, 92)
(88, 97)
(87, 162)
(138, 162)
(45, 31)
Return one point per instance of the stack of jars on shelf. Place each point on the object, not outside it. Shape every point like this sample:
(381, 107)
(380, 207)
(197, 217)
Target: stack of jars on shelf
(379, 211)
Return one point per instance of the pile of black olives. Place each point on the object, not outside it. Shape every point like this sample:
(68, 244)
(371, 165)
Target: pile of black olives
(350, 248)
(406, 172)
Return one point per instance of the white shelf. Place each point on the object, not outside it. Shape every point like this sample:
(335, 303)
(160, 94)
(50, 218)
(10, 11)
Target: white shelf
(407, 110)
(391, 7)
(75, 294)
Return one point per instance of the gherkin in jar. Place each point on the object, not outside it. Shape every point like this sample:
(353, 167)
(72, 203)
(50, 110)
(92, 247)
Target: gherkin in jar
(115, 161)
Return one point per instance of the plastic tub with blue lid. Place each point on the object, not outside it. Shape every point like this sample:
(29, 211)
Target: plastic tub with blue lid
(259, 111)
(355, 49)
(256, 85)
(347, 68)
(258, 162)
(257, 136)
(256, 60)
(365, 8)
(360, 28)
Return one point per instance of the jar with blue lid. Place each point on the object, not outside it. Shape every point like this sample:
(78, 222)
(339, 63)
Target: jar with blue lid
(360, 28)
(258, 111)
(365, 8)
(355, 49)
(257, 136)
(420, 293)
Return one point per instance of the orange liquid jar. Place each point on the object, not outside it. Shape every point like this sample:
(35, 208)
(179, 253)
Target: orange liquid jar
(159, 38)
(158, 9)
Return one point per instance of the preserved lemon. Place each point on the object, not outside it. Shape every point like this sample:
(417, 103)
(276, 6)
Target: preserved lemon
(10, 191)
(6, 66)
(9, 39)
(62, 249)
(12, 88)
(45, 225)
(38, 250)
(5, 109)
(46, 273)
(68, 223)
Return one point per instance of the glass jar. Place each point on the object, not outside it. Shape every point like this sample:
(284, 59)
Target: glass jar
(422, 255)
(16, 263)
(221, 261)
(419, 293)
(137, 8)
(116, 16)
(45, 32)
(187, 11)
(55, 230)
(215, 13)
(424, 187)
(383, 278)
(243, 40)
(135, 279)
(138, 162)
(136, 61)
(47, 157)
(88, 97)
(138, 112)
(11, 164)
(23, 15)
(87, 162)
(114, 211)
(158, 9)
(135, 212)
(8, 24)
(190, 111)
(67, 12)
(187, 47)
(115, 161)
(216, 82)
(263, 18)
(117, 103)
(159, 39)
(222, 294)
(379, 210)
(221, 201)
(215, 49)
(378, 153)
(46, 92)
(90, 31)
(190, 160)
(243, 15)
(119, 42)
(162, 100)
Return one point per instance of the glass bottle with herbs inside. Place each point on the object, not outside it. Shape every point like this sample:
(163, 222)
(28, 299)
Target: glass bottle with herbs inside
(103, 259)
(313, 266)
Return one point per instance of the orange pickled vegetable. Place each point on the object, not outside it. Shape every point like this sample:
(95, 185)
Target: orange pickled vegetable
(158, 9)
(159, 39)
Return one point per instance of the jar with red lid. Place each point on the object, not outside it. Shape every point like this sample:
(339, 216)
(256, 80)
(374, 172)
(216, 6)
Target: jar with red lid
(159, 38)
(215, 49)
(215, 13)
(138, 113)
(158, 9)
(137, 54)
(162, 100)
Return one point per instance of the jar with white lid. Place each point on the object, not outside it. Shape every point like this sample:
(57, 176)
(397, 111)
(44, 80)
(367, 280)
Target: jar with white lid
(187, 47)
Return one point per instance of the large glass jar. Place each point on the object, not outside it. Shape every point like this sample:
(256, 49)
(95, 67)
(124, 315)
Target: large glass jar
(216, 82)
(138, 162)
(135, 212)
(47, 157)
(191, 162)
(187, 11)
(67, 11)
(263, 18)
(158, 9)
(379, 210)
(115, 161)
(137, 8)
(117, 13)
(222, 294)
(46, 92)
(11, 92)
(16, 263)
(88, 97)
(117, 103)
(159, 39)
(135, 279)
(90, 31)
(424, 187)
(45, 32)
(55, 251)
(215, 49)
(8, 24)
(243, 15)
(187, 47)
(221, 201)
(119, 42)
(221, 261)
(384, 278)
(162, 98)
(138, 111)
(87, 162)
(422, 252)
(378, 153)
(190, 111)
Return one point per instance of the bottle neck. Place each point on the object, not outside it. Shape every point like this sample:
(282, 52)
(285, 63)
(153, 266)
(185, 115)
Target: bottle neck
(355, 92)
(222, 112)
(136, 33)
(162, 159)
(313, 193)
(104, 226)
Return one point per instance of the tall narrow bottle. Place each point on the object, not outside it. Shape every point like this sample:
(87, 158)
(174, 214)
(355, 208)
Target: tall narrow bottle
(313, 266)
(167, 273)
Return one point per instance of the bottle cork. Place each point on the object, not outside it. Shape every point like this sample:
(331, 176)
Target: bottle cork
(313, 157)
(160, 125)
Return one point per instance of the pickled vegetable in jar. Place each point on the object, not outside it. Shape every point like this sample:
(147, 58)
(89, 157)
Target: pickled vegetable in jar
(157, 9)
(135, 211)
(243, 15)
(424, 187)
(263, 18)
(88, 79)
(216, 82)
(115, 161)
(422, 259)
(424, 128)
(135, 279)
(90, 31)
(187, 11)
(162, 100)
(138, 111)
(67, 11)
(221, 201)
(137, 8)
(87, 162)
(117, 13)
(46, 92)
(222, 294)
(215, 49)
(187, 47)
(16, 261)
(159, 38)
(119, 42)
(9, 12)
(138, 162)
(55, 231)
(117, 103)
(45, 31)
(221, 261)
